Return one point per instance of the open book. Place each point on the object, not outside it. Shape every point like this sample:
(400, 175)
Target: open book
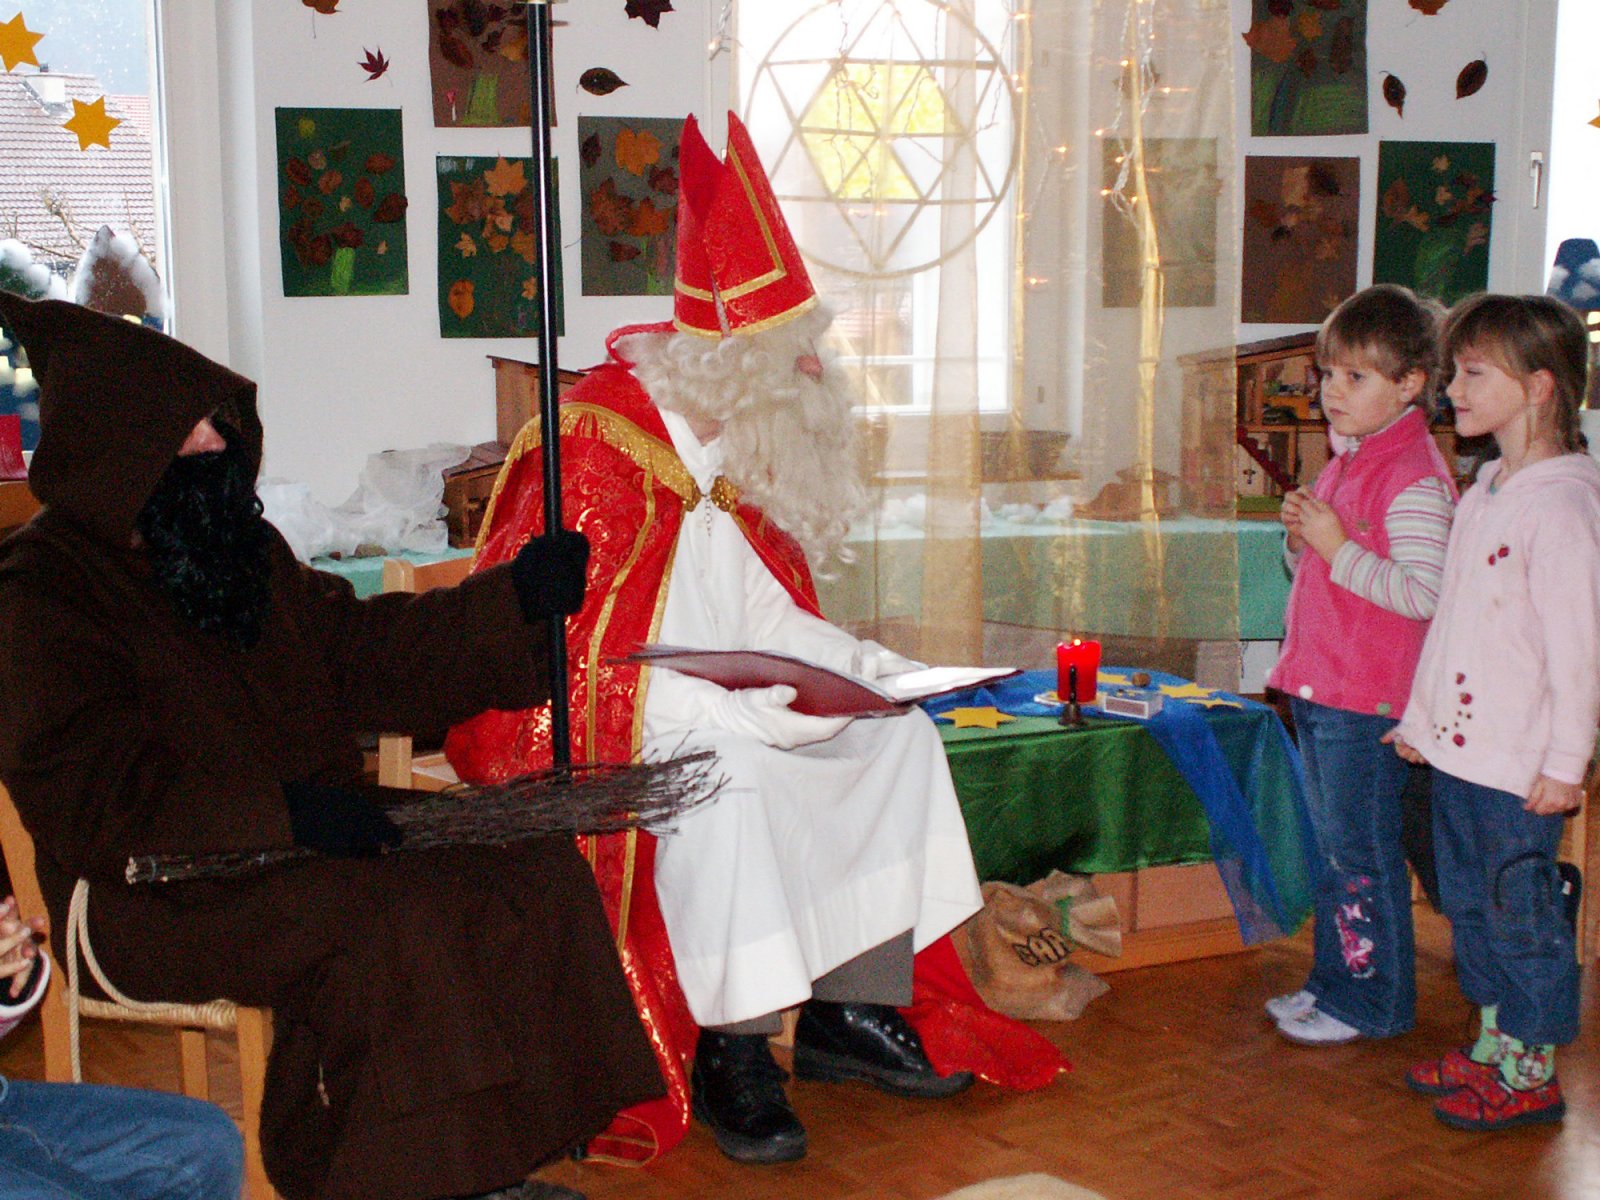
(820, 692)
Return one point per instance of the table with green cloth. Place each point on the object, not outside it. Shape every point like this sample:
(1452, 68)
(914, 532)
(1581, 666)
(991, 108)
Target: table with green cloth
(366, 573)
(1219, 580)
(1108, 797)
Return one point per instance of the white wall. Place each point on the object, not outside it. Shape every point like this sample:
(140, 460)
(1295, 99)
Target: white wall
(344, 377)
(1512, 110)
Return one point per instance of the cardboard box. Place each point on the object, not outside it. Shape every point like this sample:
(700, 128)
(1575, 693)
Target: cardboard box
(1168, 896)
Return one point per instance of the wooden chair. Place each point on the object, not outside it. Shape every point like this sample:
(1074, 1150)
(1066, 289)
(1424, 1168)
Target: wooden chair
(63, 1005)
(397, 766)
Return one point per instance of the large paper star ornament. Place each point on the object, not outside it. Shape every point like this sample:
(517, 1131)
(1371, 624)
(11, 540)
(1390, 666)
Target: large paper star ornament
(17, 43)
(92, 123)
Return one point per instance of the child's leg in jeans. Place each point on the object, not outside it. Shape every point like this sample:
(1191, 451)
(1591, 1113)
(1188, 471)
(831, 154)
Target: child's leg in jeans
(1502, 893)
(1364, 974)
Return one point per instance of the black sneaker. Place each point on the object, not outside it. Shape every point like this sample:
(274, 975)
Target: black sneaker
(737, 1090)
(871, 1043)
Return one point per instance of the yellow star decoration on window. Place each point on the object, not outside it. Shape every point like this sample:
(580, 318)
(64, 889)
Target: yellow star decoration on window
(988, 717)
(92, 123)
(1195, 694)
(17, 42)
(1595, 121)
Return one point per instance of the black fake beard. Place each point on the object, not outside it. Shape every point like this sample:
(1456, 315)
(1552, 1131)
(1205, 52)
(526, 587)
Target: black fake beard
(207, 543)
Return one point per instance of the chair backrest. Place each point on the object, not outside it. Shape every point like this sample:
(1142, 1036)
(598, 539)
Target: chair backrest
(17, 845)
(402, 575)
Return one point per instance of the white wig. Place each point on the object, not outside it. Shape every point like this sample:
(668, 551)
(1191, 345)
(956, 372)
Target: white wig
(788, 440)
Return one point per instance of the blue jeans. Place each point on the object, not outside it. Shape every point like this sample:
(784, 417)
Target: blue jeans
(1364, 968)
(1499, 886)
(78, 1141)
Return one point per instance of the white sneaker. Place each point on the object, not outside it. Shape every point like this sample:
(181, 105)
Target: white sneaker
(1316, 1028)
(1281, 1008)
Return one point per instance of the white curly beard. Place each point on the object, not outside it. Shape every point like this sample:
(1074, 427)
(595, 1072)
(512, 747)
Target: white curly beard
(788, 440)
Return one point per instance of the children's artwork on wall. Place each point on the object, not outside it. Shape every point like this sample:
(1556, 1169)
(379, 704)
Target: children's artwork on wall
(1182, 177)
(479, 58)
(1434, 209)
(1301, 217)
(629, 180)
(341, 202)
(1308, 67)
(489, 249)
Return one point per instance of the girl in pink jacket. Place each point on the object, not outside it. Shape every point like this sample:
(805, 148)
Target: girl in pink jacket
(1369, 537)
(1505, 703)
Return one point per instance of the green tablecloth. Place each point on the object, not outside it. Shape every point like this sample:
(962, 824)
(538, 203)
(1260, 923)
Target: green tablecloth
(1222, 579)
(1037, 797)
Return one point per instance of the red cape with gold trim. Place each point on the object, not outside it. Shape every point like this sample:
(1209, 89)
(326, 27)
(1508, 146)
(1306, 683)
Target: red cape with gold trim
(625, 489)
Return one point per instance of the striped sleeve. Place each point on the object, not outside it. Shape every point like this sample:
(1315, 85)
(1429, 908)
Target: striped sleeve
(1407, 582)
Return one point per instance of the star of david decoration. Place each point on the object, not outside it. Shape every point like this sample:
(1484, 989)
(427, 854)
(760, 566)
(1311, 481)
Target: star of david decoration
(92, 124)
(17, 42)
(879, 145)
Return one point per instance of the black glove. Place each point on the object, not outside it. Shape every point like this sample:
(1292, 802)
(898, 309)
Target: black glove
(550, 573)
(338, 821)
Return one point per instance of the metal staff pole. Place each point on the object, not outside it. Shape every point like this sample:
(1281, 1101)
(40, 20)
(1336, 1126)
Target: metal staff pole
(545, 202)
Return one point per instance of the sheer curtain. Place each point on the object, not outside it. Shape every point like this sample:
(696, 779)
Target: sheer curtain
(1023, 216)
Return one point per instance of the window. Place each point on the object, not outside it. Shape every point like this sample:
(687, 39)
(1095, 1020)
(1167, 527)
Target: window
(79, 211)
(888, 129)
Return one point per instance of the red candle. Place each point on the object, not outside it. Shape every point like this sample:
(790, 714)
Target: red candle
(1085, 655)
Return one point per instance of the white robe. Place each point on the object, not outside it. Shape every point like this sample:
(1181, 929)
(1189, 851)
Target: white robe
(808, 856)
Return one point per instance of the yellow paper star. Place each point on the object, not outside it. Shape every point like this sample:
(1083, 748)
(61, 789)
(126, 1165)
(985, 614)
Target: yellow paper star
(1114, 677)
(988, 717)
(1193, 693)
(92, 123)
(1595, 122)
(17, 43)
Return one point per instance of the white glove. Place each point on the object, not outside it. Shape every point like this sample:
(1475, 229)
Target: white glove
(880, 662)
(764, 714)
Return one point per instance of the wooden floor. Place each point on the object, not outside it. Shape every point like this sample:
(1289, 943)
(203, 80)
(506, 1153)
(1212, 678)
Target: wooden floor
(1181, 1089)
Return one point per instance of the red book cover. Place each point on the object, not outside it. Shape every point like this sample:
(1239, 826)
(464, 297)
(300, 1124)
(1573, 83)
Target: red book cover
(820, 692)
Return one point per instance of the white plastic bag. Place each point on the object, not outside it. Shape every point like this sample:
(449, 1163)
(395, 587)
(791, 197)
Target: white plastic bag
(399, 503)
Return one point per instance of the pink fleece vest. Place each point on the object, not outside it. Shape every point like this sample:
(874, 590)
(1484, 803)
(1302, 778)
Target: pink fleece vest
(1341, 650)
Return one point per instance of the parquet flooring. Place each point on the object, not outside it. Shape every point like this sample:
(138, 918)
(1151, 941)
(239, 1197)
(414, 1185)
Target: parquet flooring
(1181, 1089)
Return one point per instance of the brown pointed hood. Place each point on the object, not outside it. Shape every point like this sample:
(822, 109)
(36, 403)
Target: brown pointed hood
(116, 401)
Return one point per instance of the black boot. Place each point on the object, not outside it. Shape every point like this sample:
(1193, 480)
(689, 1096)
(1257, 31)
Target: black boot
(738, 1091)
(869, 1042)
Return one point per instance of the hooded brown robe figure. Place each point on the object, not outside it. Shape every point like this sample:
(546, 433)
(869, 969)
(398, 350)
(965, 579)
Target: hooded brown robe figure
(445, 1020)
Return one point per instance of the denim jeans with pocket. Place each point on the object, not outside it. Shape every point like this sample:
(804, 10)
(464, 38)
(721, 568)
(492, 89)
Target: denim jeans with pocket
(81, 1141)
(1502, 892)
(1364, 971)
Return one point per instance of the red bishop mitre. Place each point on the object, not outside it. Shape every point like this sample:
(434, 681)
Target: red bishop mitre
(739, 270)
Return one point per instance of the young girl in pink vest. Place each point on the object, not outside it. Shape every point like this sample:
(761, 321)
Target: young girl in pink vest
(1367, 545)
(1506, 702)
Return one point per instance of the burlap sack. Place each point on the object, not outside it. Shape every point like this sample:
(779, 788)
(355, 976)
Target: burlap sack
(1016, 950)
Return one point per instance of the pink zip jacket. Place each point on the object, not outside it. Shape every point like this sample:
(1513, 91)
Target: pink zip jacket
(1341, 650)
(1508, 685)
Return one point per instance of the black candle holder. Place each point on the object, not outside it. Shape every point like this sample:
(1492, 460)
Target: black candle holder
(1071, 713)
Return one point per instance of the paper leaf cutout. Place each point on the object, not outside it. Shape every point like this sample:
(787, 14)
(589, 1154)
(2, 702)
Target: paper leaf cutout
(92, 123)
(17, 42)
(505, 178)
(601, 81)
(1272, 39)
(461, 298)
(374, 64)
(589, 153)
(637, 150)
(1394, 93)
(322, 6)
(1473, 76)
(1429, 8)
(649, 11)
(622, 252)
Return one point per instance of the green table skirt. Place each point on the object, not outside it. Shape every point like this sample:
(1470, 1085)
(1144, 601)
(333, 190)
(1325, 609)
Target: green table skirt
(1037, 797)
